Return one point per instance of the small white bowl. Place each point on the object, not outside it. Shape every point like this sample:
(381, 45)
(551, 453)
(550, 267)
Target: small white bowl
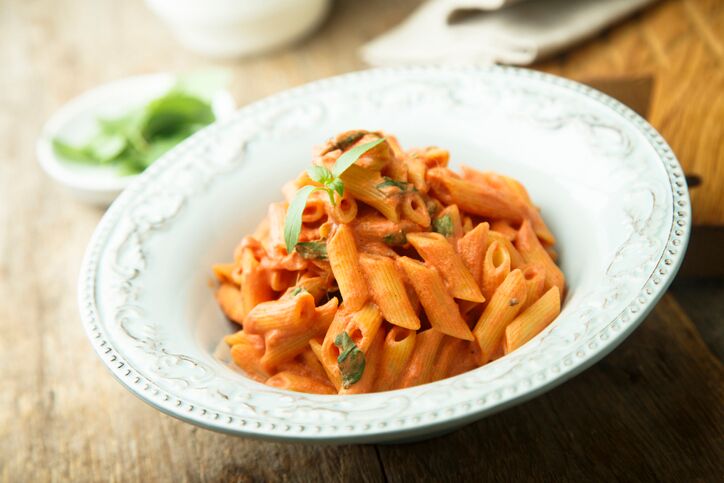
(234, 28)
(608, 186)
(76, 120)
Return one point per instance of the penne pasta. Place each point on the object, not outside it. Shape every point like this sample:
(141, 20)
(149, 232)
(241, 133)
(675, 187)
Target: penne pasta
(293, 314)
(472, 248)
(415, 210)
(388, 291)
(396, 352)
(474, 198)
(296, 382)
(439, 306)
(535, 318)
(439, 253)
(344, 260)
(362, 185)
(496, 266)
(516, 259)
(535, 283)
(533, 252)
(503, 306)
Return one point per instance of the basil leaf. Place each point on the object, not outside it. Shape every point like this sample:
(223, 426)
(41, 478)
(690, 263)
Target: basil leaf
(351, 360)
(403, 186)
(316, 250)
(293, 220)
(320, 174)
(338, 186)
(348, 158)
(297, 291)
(72, 153)
(172, 113)
(443, 225)
(397, 239)
(349, 139)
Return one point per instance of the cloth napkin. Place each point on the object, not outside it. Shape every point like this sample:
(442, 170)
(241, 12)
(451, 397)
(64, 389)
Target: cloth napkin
(494, 31)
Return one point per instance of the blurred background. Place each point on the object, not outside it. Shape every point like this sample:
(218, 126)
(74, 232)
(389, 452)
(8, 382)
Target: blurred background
(665, 59)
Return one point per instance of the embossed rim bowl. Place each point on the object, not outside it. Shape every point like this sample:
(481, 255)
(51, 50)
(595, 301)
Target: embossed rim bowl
(609, 186)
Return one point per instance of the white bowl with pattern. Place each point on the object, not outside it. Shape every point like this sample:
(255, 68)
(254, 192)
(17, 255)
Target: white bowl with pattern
(608, 185)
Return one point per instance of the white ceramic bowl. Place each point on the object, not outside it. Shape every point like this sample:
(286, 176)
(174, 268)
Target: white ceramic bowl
(234, 28)
(76, 120)
(608, 185)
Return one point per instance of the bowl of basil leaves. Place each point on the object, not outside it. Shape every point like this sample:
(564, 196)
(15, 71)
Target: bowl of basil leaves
(97, 143)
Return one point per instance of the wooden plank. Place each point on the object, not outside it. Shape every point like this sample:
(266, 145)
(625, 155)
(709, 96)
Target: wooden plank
(650, 411)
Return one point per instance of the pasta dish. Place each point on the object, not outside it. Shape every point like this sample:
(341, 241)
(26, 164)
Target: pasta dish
(385, 269)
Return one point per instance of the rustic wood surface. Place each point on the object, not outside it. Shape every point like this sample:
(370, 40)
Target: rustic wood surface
(651, 410)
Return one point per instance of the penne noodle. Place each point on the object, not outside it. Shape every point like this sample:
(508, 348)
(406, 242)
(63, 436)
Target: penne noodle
(439, 306)
(363, 325)
(362, 185)
(414, 209)
(297, 382)
(472, 248)
(533, 252)
(516, 259)
(396, 352)
(535, 318)
(344, 260)
(474, 198)
(388, 290)
(292, 315)
(496, 266)
(377, 228)
(502, 308)
(422, 361)
(535, 277)
(344, 211)
(439, 253)
(514, 189)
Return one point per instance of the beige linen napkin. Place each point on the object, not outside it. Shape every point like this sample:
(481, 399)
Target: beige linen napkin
(488, 31)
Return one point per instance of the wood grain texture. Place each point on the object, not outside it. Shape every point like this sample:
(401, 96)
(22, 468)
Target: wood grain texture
(655, 401)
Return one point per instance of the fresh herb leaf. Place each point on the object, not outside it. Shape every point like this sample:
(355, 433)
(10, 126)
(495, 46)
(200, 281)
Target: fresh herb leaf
(349, 139)
(72, 153)
(397, 239)
(331, 184)
(173, 112)
(316, 250)
(293, 220)
(297, 291)
(443, 225)
(403, 186)
(351, 360)
(338, 186)
(320, 174)
(348, 158)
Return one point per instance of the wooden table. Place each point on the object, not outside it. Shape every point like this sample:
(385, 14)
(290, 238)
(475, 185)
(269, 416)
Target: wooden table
(652, 410)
